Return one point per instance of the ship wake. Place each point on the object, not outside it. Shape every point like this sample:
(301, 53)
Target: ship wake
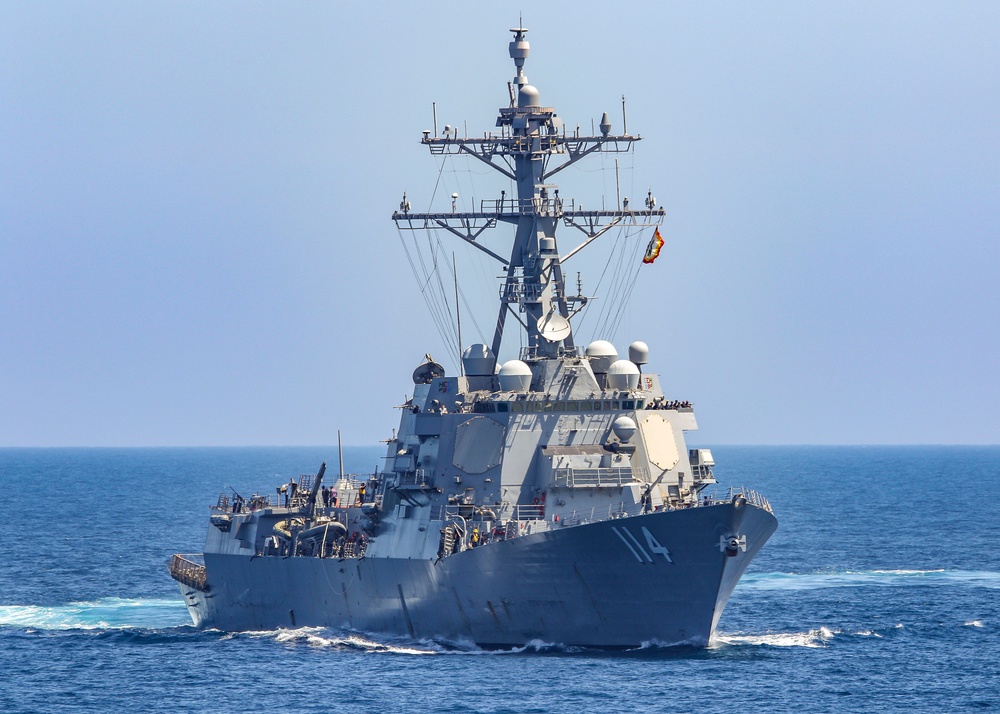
(812, 638)
(109, 613)
(869, 578)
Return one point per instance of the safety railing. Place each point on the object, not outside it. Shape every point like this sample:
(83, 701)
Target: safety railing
(524, 512)
(419, 477)
(496, 513)
(621, 510)
(600, 477)
(185, 570)
(716, 497)
(532, 352)
(347, 495)
(548, 205)
(537, 512)
(511, 521)
(602, 513)
(237, 504)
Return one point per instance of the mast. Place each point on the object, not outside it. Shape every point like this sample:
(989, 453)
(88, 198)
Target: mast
(340, 453)
(530, 136)
(458, 315)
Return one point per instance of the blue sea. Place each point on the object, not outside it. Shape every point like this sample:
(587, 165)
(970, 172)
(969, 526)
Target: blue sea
(880, 592)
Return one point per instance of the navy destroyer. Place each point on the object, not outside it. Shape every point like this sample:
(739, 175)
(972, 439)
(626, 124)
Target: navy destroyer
(549, 498)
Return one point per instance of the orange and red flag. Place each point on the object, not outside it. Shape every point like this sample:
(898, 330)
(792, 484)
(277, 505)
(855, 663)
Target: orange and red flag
(653, 249)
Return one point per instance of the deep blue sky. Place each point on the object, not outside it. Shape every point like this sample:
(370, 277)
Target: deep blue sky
(195, 244)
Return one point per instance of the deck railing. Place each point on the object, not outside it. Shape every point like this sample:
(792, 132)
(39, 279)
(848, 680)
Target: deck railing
(537, 512)
(420, 477)
(185, 570)
(600, 477)
(346, 495)
(496, 514)
(715, 497)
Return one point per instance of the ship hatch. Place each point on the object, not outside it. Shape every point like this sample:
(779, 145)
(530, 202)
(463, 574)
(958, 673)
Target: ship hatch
(478, 445)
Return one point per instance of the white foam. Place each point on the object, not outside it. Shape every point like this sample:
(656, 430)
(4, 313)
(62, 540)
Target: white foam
(974, 623)
(812, 638)
(660, 644)
(104, 614)
(867, 633)
(374, 643)
(325, 638)
(869, 578)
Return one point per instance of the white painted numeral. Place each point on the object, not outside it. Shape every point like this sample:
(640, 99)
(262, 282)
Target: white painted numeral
(635, 548)
(654, 545)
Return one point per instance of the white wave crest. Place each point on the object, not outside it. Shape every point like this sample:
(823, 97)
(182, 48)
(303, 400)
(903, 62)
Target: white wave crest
(812, 638)
(109, 613)
(868, 633)
(869, 578)
(321, 637)
(358, 641)
(661, 644)
(974, 623)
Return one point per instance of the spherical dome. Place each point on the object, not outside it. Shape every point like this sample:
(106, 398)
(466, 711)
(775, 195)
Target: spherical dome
(624, 428)
(601, 354)
(623, 375)
(527, 96)
(515, 376)
(601, 348)
(638, 352)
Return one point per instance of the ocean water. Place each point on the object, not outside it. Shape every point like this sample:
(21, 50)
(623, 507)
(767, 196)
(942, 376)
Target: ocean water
(880, 592)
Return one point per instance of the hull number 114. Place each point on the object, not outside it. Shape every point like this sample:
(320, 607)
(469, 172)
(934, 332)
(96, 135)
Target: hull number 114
(642, 554)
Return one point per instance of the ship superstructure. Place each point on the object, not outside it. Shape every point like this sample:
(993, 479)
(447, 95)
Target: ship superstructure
(549, 497)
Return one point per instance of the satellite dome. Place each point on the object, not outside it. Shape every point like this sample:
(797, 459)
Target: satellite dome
(527, 96)
(478, 360)
(638, 352)
(623, 375)
(515, 376)
(624, 428)
(601, 354)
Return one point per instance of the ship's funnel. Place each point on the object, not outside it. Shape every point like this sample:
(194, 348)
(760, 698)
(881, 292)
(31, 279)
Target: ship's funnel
(515, 376)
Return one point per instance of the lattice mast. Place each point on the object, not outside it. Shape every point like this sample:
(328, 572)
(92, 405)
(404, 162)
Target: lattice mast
(530, 136)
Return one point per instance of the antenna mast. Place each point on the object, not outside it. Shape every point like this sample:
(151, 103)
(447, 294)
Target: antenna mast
(529, 148)
(458, 317)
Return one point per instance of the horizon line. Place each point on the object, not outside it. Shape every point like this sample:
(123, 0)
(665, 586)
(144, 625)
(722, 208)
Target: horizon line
(372, 446)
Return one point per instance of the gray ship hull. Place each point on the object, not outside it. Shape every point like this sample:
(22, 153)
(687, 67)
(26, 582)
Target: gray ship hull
(662, 577)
